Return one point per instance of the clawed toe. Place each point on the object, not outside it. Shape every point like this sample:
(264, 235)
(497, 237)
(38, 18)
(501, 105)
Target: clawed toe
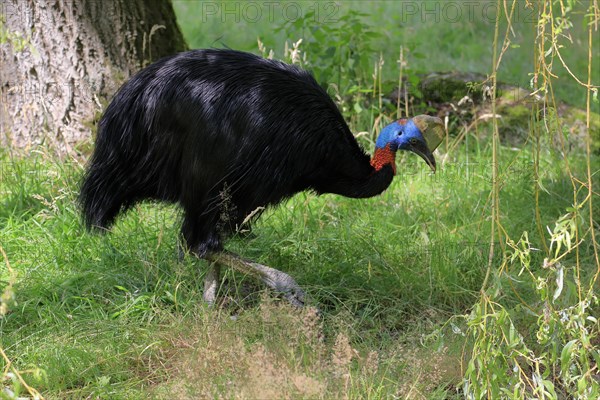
(295, 297)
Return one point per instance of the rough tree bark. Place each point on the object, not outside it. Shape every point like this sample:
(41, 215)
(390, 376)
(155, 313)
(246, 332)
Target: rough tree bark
(61, 60)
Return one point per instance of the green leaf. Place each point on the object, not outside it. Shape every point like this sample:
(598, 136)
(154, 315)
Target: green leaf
(581, 385)
(549, 387)
(511, 335)
(298, 23)
(565, 356)
(319, 35)
(595, 355)
(559, 282)
(372, 35)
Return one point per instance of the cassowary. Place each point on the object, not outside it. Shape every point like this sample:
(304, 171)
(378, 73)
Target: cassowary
(223, 133)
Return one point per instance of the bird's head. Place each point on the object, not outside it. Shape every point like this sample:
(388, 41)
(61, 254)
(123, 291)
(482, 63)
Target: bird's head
(421, 135)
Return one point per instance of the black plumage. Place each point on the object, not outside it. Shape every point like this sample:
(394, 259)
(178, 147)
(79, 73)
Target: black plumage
(222, 133)
(225, 133)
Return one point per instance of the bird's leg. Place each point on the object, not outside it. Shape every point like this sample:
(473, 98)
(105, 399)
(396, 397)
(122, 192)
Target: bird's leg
(211, 283)
(276, 280)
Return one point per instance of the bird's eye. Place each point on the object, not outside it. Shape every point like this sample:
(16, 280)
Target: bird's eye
(413, 141)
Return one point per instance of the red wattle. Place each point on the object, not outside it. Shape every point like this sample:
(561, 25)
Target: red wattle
(382, 157)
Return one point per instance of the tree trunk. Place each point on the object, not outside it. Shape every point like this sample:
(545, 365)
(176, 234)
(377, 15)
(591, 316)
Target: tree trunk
(62, 60)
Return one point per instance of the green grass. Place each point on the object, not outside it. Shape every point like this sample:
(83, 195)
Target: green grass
(104, 315)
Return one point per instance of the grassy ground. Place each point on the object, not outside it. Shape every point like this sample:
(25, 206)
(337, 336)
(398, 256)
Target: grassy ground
(118, 316)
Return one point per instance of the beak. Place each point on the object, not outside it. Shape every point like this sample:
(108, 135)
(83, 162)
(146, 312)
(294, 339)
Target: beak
(426, 155)
(432, 129)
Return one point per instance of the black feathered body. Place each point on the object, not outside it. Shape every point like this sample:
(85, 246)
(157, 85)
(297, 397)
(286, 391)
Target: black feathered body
(221, 133)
